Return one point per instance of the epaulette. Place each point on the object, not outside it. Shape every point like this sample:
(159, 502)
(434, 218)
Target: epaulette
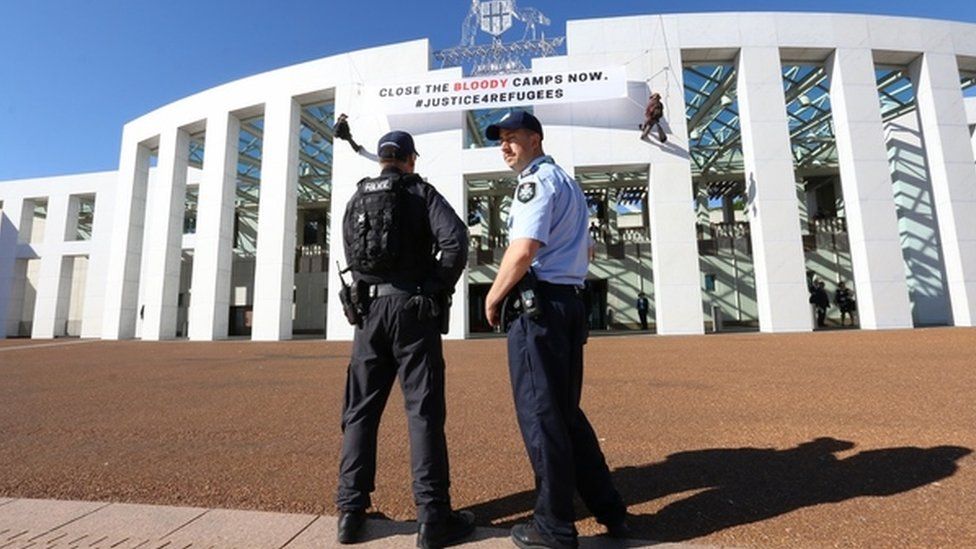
(535, 167)
(530, 171)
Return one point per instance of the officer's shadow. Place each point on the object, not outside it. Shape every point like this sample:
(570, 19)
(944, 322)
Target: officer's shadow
(734, 486)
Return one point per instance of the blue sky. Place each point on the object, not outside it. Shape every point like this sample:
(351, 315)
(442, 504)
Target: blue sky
(72, 72)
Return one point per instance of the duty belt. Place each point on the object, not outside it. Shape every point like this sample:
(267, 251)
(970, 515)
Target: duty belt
(559, 288)
(385, 289)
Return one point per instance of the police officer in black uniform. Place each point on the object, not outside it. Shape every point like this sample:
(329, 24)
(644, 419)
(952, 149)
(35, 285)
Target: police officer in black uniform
(406, 248)
(545, 265)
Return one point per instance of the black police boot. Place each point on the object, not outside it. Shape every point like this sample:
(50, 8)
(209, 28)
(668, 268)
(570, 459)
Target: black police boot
(620, 529)
(527, 536)
(350, 526)
(444, 533)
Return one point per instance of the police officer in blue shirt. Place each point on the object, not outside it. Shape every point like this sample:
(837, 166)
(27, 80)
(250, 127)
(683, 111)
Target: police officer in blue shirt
(548, 233)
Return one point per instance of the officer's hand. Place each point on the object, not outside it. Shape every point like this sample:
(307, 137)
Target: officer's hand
(341, 128)
(493, 310)
(427, 306)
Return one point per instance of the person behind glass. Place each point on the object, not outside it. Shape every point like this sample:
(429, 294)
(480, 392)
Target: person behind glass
(844, 299)
(643, 305)
(548, 232)
(821, 301)
(401, 286)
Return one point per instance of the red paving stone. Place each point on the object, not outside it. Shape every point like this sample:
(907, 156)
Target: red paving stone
(840, 438)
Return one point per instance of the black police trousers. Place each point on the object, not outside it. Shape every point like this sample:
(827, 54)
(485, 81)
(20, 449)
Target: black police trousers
(545, 358)
(394, 343)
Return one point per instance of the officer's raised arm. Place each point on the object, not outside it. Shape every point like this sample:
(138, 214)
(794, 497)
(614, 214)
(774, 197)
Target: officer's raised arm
(342, 131)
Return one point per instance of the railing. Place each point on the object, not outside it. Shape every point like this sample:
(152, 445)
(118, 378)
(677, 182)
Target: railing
(311, 250)
(738, 229)
(712, 238)
(491, 242)
(481, 249)
(311, 258)
(716, 236)
(639, 235)
(832, 225)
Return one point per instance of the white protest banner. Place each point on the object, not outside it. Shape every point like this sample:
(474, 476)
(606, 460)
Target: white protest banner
(503, 90)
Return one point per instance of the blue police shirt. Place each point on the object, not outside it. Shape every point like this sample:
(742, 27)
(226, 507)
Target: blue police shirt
(549, 206)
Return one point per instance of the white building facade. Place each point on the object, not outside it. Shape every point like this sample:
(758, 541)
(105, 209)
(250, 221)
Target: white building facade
(117, 255)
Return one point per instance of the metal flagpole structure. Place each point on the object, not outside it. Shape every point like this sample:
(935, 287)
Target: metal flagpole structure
(495, 17)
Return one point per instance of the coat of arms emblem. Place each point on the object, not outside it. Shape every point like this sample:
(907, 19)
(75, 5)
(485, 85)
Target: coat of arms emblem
(496, 16)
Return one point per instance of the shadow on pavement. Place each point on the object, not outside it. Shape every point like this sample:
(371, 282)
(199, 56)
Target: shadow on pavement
(734, 486)
(380, 527)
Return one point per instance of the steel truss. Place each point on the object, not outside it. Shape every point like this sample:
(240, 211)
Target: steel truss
(314, 165)
(711, 111)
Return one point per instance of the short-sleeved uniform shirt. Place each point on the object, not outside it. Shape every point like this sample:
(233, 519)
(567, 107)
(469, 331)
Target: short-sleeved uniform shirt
(549, 206)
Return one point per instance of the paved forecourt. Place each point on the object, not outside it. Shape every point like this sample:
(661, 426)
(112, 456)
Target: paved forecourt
(852, 438)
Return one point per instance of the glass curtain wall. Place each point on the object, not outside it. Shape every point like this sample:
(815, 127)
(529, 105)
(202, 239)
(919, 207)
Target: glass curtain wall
(823, 224)
(724, 241)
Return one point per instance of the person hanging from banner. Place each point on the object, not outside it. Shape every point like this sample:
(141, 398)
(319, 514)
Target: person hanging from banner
(342, 131)
(653, 113)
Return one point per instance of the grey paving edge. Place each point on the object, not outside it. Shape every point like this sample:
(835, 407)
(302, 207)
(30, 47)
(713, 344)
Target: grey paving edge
(121, 525)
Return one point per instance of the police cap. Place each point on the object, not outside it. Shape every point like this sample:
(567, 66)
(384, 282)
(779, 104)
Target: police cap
(515, 120)
(396, 145)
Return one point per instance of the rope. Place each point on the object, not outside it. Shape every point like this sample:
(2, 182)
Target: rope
(667, 68)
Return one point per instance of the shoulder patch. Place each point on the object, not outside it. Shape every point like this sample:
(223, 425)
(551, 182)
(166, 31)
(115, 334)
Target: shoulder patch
(525, 191)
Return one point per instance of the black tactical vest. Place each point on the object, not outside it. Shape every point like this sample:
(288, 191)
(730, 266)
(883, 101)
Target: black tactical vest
(375, 223)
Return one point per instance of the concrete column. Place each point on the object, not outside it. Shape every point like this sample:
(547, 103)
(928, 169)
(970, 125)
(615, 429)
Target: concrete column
(942, 114)
(672, 213)
(972, 134)
(26, 228)
(10, 221)
(917, 226)
(728, 210)
(274, 276)
(122, 272)
(872, 225)
(63, 311)
(166, 209)
(94, 300)
(774, 215)
(71, 221)
(49, 284)
(702, 213)
(213, 253)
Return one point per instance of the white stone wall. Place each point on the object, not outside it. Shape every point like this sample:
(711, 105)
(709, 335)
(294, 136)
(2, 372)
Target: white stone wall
(50, 283)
